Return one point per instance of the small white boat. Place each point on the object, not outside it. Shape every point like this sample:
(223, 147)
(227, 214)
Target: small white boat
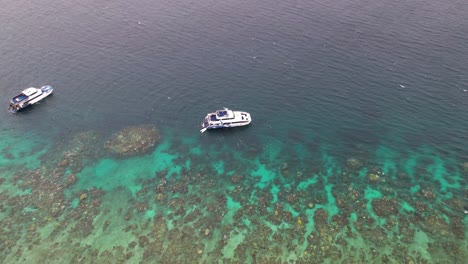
(29, 97)
(224, 119)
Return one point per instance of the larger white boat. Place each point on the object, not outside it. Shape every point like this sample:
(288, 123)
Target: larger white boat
(225, 118)
(29, 96)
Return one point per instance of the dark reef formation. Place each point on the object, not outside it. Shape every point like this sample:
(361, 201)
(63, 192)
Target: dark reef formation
(133, 140)
(305, 214)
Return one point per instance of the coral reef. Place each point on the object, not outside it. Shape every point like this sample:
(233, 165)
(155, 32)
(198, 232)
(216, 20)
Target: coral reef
(133, 140)
(190, 212)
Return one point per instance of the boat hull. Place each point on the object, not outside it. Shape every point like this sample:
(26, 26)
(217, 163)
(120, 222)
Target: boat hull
(225, 119)
(37, 96)
(225, 126)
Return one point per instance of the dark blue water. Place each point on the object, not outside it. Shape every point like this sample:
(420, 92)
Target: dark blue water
(325, 81)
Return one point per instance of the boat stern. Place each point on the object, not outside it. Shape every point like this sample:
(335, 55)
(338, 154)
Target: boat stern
(205, 123)
(17, 103)
(12, 108)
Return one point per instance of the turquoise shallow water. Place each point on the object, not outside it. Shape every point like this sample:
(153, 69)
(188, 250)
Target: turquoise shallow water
(231, 201)
(356, 154)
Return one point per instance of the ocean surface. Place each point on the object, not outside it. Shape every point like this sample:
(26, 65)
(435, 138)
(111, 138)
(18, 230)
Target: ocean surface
(357, 152)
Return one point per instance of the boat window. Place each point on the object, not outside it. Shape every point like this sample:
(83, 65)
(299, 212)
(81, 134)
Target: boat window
(222, 113)
(213, 118)
(20, 97)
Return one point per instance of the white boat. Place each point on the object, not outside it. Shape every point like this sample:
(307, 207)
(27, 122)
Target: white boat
(29, 96)
(224, 119)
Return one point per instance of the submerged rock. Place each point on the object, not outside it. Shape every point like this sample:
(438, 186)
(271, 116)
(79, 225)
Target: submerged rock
(236, 178)
(133, 140)
(373, 177)
(385, 207)
(354, 163)
(465, 166)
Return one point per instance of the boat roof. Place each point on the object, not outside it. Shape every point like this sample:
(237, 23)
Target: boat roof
(224, 114)
(30, 91)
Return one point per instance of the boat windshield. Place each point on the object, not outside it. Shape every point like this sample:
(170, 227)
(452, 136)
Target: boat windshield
(213, 118)
(222, 113)
(19, 98)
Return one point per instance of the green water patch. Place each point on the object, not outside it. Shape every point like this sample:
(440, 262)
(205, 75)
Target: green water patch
(218, 166)
(272, 150)
(162, 160)
(388, 158)
(421, 243)
(439, 173)
(303, 185)
(331, 206)
(232, 207)
(188, 164)
(276, 228)
(228, 239)
(107, 238)
(414, 160)
(411, 165)
(442, 169)
(274, 192)
(230, 173)
(415, 189)
(293, 212)
(235, 239)
(407, 207)
(29, 210)
(253, 197)
(220, 159)
(74, 203)
(363, 173)
(193, 143)
(9, 187)
(190, 141)
(109, 173)
(371, 194)
(197, 150)
(266, 176)
(302, 153)
(353, 217)
(330, 164)
(23, 150)
(310, 227)
(150, 214)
